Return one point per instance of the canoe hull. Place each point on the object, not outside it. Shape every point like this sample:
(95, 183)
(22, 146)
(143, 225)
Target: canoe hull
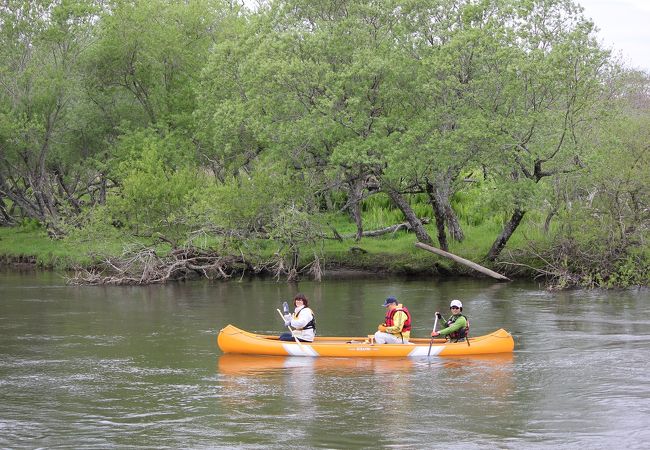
(233, 340)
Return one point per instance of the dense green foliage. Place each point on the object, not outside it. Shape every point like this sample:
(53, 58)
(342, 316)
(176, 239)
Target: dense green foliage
(259, 132)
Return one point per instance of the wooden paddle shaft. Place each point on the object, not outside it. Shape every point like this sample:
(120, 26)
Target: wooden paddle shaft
(435, 323)
(289, 327)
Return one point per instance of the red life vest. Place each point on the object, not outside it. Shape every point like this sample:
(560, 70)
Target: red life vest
(391, 313)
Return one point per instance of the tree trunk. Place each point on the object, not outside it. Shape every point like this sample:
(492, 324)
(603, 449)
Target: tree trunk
(411, 218)
(439, 194)
(67, 192)
(463, 261)
(549, 217)
(5, 217)
(16, 194)
(439, 215)
(293, 269)
(443, 194)
(102, 190)
(356, 216)
(381, 231)
(355, 196)
(452, 222)
(509, 228)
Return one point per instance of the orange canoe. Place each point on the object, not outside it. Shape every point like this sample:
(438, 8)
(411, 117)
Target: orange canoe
(233, 340)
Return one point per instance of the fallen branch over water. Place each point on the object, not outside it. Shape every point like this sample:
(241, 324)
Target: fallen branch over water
(382, 231)
(463, 261)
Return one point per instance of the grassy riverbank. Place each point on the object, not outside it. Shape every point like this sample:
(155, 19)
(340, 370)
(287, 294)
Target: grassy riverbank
(32, 245)
(392, 253)
(388, 254)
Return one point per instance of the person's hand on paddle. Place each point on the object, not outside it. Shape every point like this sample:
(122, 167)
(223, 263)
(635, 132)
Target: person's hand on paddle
(434, 334)
(438, 315)
(382, 327)
(287, 320)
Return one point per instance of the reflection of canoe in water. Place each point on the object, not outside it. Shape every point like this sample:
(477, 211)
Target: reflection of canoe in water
(237, 364)
(234, 364)
(233, 340)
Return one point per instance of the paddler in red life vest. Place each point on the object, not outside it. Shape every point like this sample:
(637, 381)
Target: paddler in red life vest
(396, 328)
(457, 326)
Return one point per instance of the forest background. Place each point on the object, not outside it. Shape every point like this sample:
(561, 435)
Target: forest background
(146, 141)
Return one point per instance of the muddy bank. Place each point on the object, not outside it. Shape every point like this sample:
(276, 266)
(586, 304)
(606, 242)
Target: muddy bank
(21, 262)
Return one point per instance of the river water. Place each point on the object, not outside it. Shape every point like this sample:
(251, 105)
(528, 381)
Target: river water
(138, 367)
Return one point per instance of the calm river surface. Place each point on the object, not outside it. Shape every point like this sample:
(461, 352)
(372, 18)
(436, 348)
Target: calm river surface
(138, 367)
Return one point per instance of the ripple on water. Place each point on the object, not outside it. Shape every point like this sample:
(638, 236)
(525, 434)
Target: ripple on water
(131, 367)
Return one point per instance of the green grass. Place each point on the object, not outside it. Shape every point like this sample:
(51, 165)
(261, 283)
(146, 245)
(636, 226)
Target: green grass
(62, 254)
(17, 243)
(395, 253)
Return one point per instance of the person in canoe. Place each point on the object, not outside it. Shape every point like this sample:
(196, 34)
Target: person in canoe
(396, 328)
(457, 326)
(302, 321)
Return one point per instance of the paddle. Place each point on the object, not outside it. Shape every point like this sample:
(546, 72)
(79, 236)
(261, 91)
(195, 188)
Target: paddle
(289, 327)
(435, 323)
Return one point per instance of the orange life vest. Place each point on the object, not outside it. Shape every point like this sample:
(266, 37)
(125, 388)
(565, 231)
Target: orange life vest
(391, 313)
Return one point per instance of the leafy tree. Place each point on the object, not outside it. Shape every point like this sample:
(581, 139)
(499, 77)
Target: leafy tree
(616, 192)
(551, 91)
(601, 220)
(41, 43)
(318, 86)
(159, 187)
(156, 63)
(445, 131)
(229, 112)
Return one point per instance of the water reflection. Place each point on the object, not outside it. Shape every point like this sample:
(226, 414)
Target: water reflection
(233, 364)
(327, 399)
(483, 375)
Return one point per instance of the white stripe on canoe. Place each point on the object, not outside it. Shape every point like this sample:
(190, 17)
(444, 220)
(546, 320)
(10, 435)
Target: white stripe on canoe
(424, 350)
(296, 349)
(306, 350)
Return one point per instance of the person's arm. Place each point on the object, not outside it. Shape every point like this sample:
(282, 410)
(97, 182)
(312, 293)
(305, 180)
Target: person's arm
(304, 317)
(398, 323)
(461, 322)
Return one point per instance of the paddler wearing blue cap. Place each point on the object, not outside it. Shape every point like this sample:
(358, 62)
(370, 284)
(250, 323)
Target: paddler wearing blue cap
(396, 328)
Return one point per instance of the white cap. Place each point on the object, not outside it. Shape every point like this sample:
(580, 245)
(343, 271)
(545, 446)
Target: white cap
(456, 303)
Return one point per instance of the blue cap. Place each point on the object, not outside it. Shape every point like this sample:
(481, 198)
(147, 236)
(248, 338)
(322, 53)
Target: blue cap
(390, 300)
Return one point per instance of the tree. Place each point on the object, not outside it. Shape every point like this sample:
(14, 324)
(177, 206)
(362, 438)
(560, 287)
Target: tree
(445, 132)
(314, 84)
(549, 87)
(601, 219)
(159, 186)
(41, 43)
(616, 193)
